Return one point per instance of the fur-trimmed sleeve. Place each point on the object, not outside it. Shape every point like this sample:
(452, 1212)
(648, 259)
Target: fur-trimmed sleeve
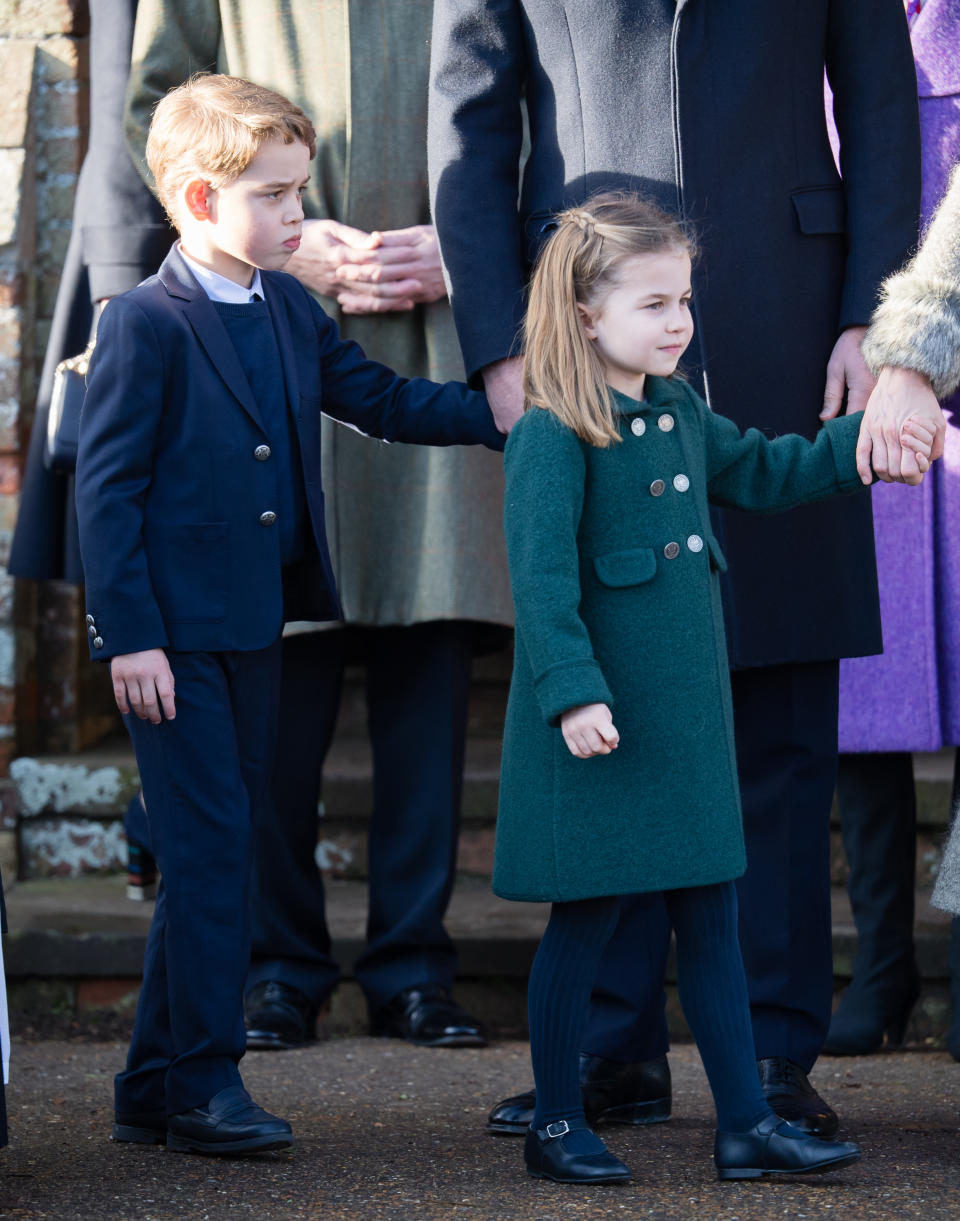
(917, 324)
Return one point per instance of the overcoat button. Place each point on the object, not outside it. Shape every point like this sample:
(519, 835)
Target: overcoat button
(98, 642)
(91, 630)
(268, 518)
(262, 453)
(695, 542)
(89, 620)
(638, 427)
(671, 551)
(665, 423)
(657, 488)
(681, 483)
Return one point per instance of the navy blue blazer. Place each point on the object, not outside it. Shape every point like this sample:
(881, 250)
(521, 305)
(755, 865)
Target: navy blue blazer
(174, 490)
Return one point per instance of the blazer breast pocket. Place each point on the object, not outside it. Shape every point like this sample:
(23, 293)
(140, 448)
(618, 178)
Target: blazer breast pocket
(620, 569)
(190, 566)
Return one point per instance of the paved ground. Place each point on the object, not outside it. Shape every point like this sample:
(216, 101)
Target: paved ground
(387, 1131)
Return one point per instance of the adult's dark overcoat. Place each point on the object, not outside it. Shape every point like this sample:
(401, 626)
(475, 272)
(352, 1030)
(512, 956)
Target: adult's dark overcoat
(614, 569)
(714, 108)
(119, 237)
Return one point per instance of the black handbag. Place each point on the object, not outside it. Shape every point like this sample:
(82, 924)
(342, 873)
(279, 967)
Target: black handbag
(63, 417)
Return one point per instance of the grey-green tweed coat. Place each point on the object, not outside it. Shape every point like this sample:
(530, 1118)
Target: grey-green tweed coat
(614, 572)
(415, 532)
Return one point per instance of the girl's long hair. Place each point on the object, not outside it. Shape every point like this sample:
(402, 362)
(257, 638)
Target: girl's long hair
(562, 371)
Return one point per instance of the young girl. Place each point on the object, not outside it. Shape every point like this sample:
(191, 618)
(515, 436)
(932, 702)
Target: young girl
(619, 773)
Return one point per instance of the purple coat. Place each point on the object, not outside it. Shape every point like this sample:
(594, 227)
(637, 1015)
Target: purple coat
(908, 698)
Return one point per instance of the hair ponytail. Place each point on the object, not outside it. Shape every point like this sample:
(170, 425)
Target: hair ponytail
(562, 372)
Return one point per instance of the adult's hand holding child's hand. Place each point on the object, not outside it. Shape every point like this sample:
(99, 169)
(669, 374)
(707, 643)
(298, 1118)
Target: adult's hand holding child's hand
(589, 730)
(143, 684)
(903, 428)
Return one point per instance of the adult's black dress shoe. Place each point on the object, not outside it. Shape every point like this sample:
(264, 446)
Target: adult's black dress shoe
(613, 1092)
(790, 1094)
(140, 1127)
(428, 1016)
(864, 1019)
(231, 1122)
(278, 1017)
(553, 1153)
(777, 1147)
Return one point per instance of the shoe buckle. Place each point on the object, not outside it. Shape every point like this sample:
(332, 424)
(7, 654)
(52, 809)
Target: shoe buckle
(560, 1128)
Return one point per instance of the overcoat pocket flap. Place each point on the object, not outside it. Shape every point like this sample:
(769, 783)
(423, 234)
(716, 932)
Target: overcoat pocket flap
(717, 558)
(820, 210)
(621, 568)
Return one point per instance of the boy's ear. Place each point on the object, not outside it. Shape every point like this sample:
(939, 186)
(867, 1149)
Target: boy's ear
(196, 195)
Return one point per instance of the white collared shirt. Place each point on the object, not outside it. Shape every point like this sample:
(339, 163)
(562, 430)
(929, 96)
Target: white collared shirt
(218, 287)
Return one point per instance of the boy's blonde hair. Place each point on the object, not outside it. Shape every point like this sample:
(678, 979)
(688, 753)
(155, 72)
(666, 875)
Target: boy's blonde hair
(212, 127)
(562, 371)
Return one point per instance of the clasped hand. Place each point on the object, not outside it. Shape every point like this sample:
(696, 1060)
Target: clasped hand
(589, 730)
(903, 428)
(370, 273)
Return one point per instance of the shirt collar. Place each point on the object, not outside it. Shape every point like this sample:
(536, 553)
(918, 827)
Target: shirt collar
(218, 287)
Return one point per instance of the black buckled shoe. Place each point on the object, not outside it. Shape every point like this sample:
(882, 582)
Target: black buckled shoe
(231, 1122)
(790, 1094)
(140, 1127)
(548, 1156)
(278, 1017)
(777, 1147)
(428, 1016)
(613, 1092)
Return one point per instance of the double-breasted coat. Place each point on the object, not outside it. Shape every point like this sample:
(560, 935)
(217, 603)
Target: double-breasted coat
(614, 568)
(714, 109)
(414, 535)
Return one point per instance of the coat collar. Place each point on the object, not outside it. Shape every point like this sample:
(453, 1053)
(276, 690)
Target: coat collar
(179, 281)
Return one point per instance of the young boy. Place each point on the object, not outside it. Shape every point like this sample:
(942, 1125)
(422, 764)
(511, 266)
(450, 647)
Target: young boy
(201, 530)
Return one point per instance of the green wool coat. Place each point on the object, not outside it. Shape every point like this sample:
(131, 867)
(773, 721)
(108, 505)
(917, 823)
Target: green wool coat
(614, 573)
(415, 531)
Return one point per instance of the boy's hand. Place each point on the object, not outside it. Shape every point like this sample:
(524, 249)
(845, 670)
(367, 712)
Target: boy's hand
(589, 730)
(143, 684)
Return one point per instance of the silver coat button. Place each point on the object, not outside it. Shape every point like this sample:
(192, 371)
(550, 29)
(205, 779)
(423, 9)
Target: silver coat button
(268, 518)
(657, 488)
(681, 483)
(89, 620)
(638, 427)
(98, 642)
(695, 542)
(665, 423)
(91, 630)
(262, 453)
(671, 551)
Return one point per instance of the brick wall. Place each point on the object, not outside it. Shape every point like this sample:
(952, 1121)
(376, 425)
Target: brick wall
(43, 117)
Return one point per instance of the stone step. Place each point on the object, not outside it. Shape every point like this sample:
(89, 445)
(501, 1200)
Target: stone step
(80, 942)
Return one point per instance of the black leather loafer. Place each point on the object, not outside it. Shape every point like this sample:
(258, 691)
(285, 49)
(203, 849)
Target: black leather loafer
(548, 1157)
(428, 1016)
(790, 1094)
(278, 1017)
(140, 1127)
(777, 1147)
(231, 1122)
(613, 1092)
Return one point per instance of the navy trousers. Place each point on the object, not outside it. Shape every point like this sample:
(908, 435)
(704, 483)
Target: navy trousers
(417, 688)
(785, 720)
(205, 776)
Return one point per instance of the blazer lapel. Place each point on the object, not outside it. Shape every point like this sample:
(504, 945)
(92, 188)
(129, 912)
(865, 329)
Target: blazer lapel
(175, 276)
(281, 328)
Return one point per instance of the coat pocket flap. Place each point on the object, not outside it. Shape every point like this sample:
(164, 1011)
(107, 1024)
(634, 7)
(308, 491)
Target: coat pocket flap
(621, 568)
(717, 558)
(820, 210)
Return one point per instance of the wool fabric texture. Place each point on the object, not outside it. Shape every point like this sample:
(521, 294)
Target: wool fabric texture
(614, 572)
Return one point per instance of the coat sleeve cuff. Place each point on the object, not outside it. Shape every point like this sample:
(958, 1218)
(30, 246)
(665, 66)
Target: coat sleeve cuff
(569, 684)
(917, 326)
(843, 434)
